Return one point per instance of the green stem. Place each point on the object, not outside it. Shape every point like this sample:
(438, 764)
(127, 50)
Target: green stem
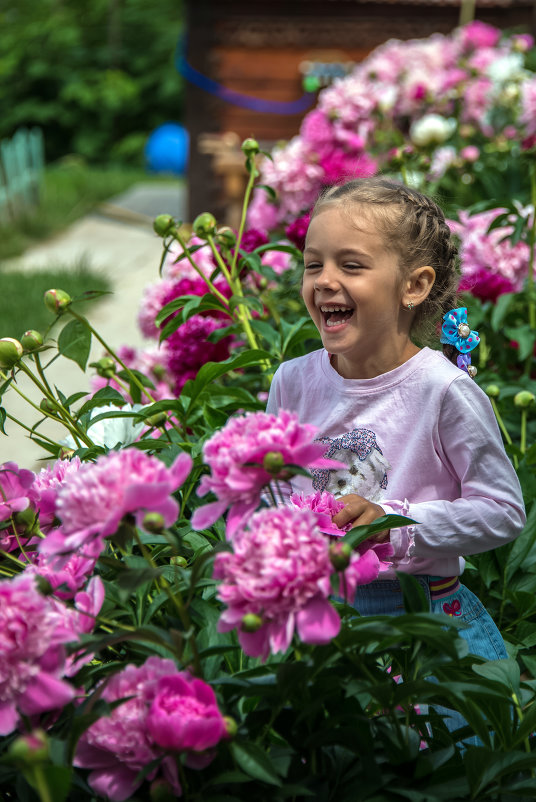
(32, 431)
(112, 353)
(66, 419)
(530, 277)
(41, 784)
(520, 717)
(176, 600)
(503, 428)
(523, 441)
(214, 290)
(41, 372)
(250, 164)
(74, 432)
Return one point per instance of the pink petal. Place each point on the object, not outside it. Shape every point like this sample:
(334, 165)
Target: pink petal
(8, 717)
(181, 468)
(255, 644)
(205, 516)
(116, 784)
(318, 622)
(236, 515)
(45, 693)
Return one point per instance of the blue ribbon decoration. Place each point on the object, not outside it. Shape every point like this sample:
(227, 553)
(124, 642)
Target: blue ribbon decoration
(450, 334)
(237, 98)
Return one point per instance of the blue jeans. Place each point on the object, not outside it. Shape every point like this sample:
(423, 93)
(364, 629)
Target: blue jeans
(384, 597)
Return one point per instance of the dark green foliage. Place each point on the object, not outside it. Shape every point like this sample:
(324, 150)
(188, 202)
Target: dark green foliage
(96, 77)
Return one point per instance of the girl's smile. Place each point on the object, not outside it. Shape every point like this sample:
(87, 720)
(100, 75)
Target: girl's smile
(353, 289)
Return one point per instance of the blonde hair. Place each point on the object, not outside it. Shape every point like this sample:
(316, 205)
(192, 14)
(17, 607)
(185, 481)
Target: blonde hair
(413, 227)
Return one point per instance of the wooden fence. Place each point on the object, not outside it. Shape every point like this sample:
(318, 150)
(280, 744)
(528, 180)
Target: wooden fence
(22, 162)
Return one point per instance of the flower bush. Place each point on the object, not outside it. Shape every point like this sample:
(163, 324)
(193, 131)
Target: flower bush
(158, 644)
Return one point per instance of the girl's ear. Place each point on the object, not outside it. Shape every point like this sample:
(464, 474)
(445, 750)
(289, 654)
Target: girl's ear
(418, 285)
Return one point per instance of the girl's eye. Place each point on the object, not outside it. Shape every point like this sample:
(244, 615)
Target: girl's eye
(313, 266)
(352, 265)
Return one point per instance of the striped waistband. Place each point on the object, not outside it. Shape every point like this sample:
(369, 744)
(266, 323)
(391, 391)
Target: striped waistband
(442, 586)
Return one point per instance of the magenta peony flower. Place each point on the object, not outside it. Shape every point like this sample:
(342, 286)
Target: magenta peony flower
(325, 505)
(251, 239)
(32, 657)
(297, 231)
(188, 349)
(236, 456)
(486, 285)
(184, 715)
(366, 564)
(118, 746)
(279, 572)
(92, 501)
(65, 578)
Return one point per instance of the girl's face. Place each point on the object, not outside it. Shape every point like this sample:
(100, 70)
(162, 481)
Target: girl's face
(353, 290)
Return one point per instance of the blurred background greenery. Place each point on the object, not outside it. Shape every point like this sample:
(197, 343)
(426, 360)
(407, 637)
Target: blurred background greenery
(96, 77)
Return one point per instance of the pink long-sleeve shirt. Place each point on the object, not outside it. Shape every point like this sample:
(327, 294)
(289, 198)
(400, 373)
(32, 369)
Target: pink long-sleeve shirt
(421, 440)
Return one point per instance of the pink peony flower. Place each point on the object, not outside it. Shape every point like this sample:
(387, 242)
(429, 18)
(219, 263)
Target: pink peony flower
(32, 654)
(15, 483)
(477, 34)
(366, 564)
(45, 488)
(92, 501)
(486, 254)
(280, 572)
(65, 578)
(184, 715)
(325, 505)
(178, 266)
(236, 456)
(153, 300)
(117, 747)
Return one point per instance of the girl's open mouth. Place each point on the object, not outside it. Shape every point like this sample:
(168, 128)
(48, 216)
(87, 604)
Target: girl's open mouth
(336, 315)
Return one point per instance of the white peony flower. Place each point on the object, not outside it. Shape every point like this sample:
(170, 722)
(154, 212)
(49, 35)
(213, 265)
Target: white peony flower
(432, 129)
(108, 432)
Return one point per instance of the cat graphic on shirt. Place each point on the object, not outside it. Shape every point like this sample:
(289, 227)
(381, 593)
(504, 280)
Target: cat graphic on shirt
(367, 469)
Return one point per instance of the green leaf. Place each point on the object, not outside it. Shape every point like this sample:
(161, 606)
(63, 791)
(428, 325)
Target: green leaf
(3, 416)
(250, 301)
(255, 762)
(74, 342)
(415, 600)
(500, 309)
(213, 370)
(523, 547)
(102, 397)
(360, 533)
(523, 335)
(506, 672)
(270, 190)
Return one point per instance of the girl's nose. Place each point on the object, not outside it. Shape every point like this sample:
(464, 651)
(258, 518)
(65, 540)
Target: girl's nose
(326, 279)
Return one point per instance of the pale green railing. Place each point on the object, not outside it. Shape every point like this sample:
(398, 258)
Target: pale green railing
(22, 160)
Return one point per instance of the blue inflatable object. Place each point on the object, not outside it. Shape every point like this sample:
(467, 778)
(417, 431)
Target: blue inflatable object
(166, 150)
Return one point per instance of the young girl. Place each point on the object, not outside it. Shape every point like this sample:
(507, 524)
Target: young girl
(418, 435)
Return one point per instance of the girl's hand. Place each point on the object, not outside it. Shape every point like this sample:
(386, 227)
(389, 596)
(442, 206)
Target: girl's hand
(359, 511)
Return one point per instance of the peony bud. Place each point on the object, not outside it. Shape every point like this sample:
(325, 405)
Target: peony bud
(154, 522)
(204, 225)
(524, 399)
(31, 340)
(30, 749)
(161, 791)
(163, 224)
(48, 406)
(25, 520)
(273, 462)
(226, 236)
(231, 727)
(10, 352)
(179, 561)
(158, 419)
(492, 391)
(250, 146)
(105, 367)
(57, 301)
(43, 585)
(339, 554)
(251, 622)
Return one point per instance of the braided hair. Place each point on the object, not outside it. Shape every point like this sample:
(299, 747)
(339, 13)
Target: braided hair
(414, 227)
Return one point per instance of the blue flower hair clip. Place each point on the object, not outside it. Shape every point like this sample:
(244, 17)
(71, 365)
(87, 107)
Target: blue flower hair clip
(457, 332)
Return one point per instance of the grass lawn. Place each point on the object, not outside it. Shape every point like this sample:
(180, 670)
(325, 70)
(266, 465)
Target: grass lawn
(21, 298)
(70, 190)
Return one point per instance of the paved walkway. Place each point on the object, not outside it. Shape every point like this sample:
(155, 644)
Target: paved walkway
(119, 239)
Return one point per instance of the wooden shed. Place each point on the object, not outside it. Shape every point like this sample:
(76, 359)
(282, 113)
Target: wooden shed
(263, 50)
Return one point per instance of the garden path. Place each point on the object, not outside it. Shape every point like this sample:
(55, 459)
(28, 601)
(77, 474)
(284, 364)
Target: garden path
(117, 238)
